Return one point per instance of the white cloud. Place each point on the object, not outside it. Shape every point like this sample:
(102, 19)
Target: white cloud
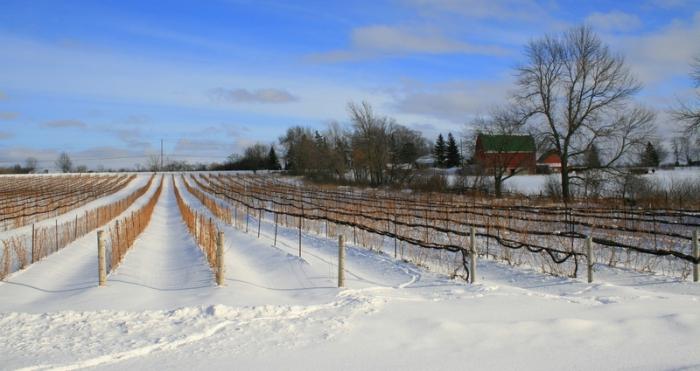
(272, 96)
(614, 21)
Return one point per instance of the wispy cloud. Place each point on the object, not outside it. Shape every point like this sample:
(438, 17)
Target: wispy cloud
(7, 116)
(3, 96)
(272, 96)
(455, 102)
(6, 135)
(614, 21)
(664, 53)
(383, 40)
(64, 124)
(484, 9)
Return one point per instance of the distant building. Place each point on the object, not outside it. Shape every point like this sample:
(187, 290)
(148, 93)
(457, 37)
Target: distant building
(426, 161)
(509, 152)
(551, 161)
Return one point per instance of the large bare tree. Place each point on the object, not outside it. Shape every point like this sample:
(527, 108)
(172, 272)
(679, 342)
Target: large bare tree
(577, 93)
(688, 113)
(64, 163)
(370, 143)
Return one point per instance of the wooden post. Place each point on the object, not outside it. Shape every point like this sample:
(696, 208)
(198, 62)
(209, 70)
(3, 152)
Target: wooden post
(220, 259)
(341, 261)
(33, 253)
(75, 230)
(275, 243)
(354, 230)
(259, 220)
(235, 216)
(395, 235)
(101, 263)
(300, 236)
(247, 213)
(472, 255)
(696, 254)
(119, 250)
(589, 257)
(195, 227)
(56, 230)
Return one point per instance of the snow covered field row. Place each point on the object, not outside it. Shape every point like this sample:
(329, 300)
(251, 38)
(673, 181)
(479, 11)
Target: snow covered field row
(161, 309)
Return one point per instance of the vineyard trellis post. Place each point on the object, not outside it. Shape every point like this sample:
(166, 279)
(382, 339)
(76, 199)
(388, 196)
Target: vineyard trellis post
(589, 257)
(259, 220)
(33, 252)
(696, 255)
(276, 217)
(341, 261)
(56, 232)
(101, 263)
(220, 258)
(247, 217)
(354, 232)
(472, 255)
(395, 234)
(300, 218)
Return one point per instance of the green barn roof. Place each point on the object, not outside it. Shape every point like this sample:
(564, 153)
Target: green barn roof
(507, 143)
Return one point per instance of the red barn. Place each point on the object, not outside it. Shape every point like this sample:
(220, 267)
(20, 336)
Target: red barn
(505, 152)
(552, 160)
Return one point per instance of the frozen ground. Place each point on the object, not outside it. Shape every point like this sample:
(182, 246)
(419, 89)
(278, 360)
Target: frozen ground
(161, 310)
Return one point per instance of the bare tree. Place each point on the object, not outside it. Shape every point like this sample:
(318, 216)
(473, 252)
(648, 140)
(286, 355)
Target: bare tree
(576, 93)
(153, 163)
(370, 142)
(31, 163)
(688, 113)
(64, 163)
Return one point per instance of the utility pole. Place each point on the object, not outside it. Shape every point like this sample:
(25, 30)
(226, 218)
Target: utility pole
(161, 154)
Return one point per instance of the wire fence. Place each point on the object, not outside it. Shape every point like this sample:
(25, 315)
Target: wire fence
(20, 251)
(552, 238)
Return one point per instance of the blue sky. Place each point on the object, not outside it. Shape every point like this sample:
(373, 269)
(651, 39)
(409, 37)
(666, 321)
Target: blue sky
(108, 79)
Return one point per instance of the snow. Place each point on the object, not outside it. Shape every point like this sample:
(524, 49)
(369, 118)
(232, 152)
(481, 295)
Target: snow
(161, 310)
(534, 184)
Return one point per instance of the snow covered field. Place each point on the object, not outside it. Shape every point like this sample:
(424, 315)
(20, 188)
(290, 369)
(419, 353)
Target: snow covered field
(535, 184)
(161, 310)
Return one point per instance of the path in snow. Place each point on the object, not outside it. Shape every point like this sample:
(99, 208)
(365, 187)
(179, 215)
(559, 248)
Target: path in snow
(164, 260)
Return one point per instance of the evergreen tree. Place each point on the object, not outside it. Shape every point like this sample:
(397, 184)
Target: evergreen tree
(272, 160)
(440, 151)
(592, 159)
(650, 156)
(453, 157)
